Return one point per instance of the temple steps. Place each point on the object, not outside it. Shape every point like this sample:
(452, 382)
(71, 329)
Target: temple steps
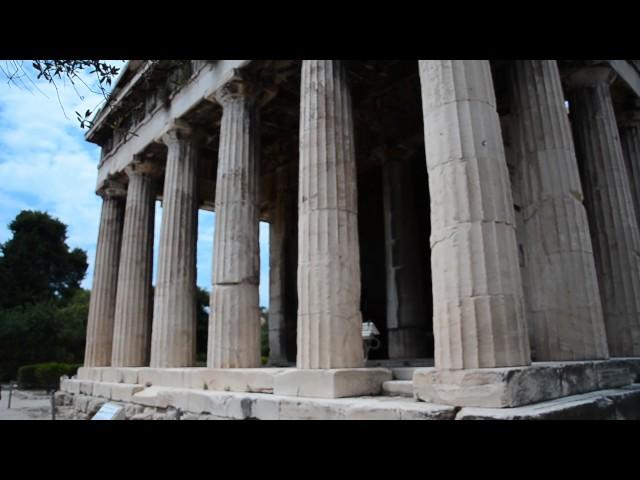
(398, 388)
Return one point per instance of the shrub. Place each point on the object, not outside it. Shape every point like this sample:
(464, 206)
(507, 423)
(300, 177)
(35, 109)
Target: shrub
(45, 375)
(27, 376)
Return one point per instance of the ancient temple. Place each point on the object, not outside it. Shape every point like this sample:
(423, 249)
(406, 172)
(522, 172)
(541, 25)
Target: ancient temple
(483, 215)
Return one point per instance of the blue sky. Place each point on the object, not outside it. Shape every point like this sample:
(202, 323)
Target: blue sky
(45, 164)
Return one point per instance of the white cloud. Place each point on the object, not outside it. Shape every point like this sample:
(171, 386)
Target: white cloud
(45, 164)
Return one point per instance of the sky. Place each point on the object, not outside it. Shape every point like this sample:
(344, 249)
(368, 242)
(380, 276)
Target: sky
(46, 165)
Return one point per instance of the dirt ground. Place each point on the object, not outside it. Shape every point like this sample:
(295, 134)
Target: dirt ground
(25, 405)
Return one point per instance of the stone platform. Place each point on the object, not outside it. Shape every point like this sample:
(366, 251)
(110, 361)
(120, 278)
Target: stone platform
(81, 399)
(321, 383)
(517, 386)
(595, 389)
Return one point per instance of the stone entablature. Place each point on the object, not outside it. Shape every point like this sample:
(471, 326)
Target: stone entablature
(159, 114)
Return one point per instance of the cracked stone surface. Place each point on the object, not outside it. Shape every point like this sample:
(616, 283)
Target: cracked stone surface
(234, 323)
(478, 307)
(609, 203)
(329, 318)
(173, 336)
(105, 279)
(563, 299)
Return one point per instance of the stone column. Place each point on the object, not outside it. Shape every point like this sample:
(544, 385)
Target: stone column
(609, 203)
(105, 278)
(173, 337)
(329, 318)
(406, 314)
(563, 299)
(234, 324)
(629, 126)
(477, 292)
(277, 272)
(134, 301)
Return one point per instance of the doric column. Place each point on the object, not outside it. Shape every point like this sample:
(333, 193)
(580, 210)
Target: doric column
(629, 126)
(234, 324)
(563, 299)
(329, 318)
(134, 301)
(277, 271)
(173, 337)
(478, 310)
(105, 278)
(406, 319)
(612, 219)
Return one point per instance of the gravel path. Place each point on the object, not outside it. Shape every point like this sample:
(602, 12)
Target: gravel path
(25, 405)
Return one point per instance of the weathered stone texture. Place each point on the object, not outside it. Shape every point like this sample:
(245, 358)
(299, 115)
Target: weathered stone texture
(333, 383)
(173, 338)
(105, 278)
(612, 219)
(515, 386)
(563, 300)
(134, 300)
(234, 325)
(478, 306)
(329, 318)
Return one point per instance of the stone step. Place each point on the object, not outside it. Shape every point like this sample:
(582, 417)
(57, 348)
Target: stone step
(401, 362)
(613, 404)
(273, 407)
(403, 373)
(398, 388)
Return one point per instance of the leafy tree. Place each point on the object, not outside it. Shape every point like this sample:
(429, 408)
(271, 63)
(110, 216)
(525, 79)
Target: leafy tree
(264, 334)
(202, 324)
(43, 310)
(48, 331)
(36, 264)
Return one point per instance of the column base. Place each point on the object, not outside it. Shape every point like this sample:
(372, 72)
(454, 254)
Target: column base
(516, 386)
(331, 383)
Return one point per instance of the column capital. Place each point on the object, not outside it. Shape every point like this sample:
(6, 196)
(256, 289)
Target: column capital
(591, 76)
(178, 130)
(112, 189)
(240, 86)
(143, 167)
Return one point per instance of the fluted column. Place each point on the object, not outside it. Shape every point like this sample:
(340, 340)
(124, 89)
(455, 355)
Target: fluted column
(173, 337)
(406, 322)
(629, 126)
(234, 324)
(329, 318)
(134, 301)
(608, 199)
(477, 292)
(277, 272)
(105, 278)
(563, 299)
